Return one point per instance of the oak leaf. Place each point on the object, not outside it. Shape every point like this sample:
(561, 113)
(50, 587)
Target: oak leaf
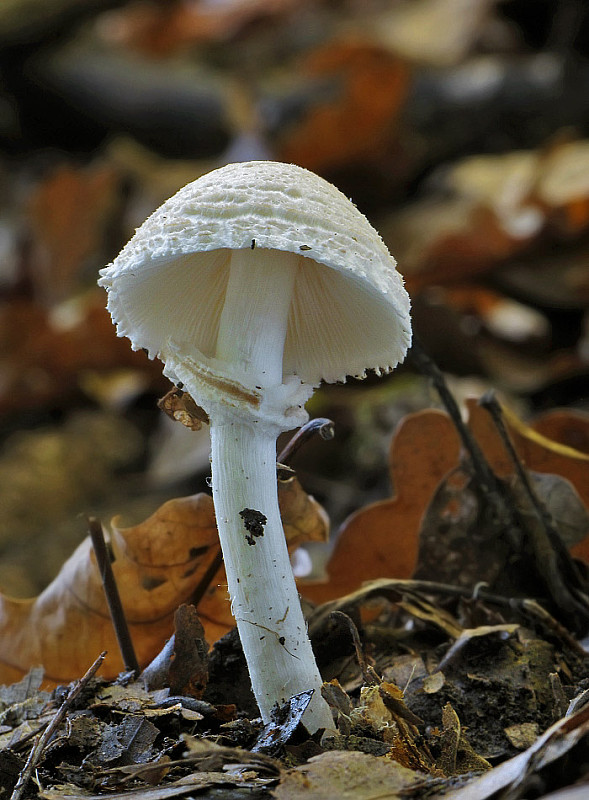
(382, 539)
(158, 564)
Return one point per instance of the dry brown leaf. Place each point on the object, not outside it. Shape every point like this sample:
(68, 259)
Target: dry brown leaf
(347, 775)
(68, 213)
(442, 240)
(382, 708)
(157, 566)
(493, 208)
(382, 539)
(374, 86)
(553, 745)
(46, 355)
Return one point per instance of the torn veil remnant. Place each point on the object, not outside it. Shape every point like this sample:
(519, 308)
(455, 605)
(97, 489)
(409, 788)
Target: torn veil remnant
(253, 284)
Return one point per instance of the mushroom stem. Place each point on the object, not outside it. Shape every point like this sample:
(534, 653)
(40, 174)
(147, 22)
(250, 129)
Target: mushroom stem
(264, 596)
(252, 327)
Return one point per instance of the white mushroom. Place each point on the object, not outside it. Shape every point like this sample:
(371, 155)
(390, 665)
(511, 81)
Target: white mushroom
(252, 284)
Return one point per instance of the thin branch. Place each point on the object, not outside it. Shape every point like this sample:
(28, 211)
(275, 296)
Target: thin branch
(499, 502)
(113, 598)
(427, 366)
(205, 581)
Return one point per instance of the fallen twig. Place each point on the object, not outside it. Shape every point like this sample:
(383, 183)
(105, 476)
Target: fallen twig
(113, 598)
(554, 562)
(41, 743)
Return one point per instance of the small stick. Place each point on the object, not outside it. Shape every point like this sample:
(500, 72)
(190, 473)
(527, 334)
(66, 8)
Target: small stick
(489, 402)
(554, 561)
(324, 427)
(37, 749)
(368, 674)
(206, 579)
(430, 369)
(113, 598)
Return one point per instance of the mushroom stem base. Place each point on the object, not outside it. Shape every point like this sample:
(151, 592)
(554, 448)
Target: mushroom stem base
(264, 596)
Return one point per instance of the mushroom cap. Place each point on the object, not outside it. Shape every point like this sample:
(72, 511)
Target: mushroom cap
(349, 312)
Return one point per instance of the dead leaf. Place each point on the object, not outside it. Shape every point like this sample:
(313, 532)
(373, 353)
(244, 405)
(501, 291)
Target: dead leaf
(373, 86)
(283, 723)
(188, 785)
(439, 241)
(493, 207)
(157, 566)
(180, 407)
(188, 672)
(382, 709)
(346, 776)
(523, 735)
(458, 541)
(68, 213)
(304, 519)
(551, 746)
(204, 755)
(381, 540)
(457, 755)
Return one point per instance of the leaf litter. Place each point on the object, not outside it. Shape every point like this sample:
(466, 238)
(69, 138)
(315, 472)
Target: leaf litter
(457, 651)
(433, 679)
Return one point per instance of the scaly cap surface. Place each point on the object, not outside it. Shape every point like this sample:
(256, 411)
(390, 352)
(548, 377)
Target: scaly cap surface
(350, 311)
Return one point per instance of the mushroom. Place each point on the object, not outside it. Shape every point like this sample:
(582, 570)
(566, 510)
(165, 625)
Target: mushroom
(252, 284)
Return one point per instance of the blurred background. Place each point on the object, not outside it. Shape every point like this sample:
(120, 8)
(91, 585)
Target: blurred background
(459, 127)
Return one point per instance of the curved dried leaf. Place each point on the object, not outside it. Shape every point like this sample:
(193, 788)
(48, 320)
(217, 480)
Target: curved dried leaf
(360, 121)
(381, 540)
(157, 565)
